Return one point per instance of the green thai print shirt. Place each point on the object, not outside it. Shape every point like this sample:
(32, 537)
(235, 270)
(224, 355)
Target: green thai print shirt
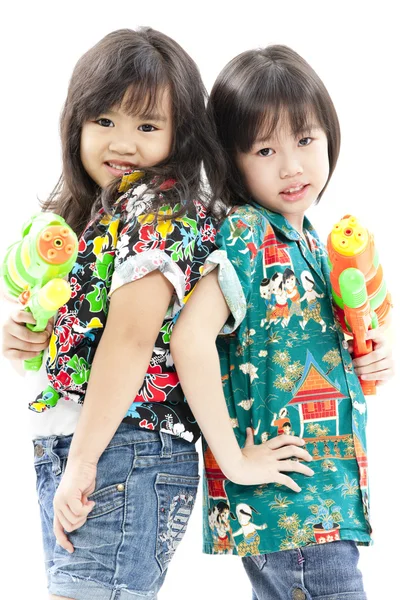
(285, 369)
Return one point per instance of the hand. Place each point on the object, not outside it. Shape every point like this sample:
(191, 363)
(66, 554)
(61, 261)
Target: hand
(265, 463)
(19, 343)
(71, 504)
(378, 365)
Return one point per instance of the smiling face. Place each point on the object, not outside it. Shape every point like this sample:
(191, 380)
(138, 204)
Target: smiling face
(117, 142)
(287, 172)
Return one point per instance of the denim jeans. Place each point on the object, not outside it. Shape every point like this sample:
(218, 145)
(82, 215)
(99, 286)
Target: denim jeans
(145, 490)
(320, 572)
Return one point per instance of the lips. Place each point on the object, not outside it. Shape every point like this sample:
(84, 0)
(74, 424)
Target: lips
(295, 192)
(118, 168)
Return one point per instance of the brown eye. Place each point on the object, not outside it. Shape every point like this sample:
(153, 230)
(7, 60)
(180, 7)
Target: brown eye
(105, 122)
(265, 152)
(147, 128)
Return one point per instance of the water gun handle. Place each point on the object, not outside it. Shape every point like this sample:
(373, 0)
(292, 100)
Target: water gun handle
(43, 306)
(359, 316)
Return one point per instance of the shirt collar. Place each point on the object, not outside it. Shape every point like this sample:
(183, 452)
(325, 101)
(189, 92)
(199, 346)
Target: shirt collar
(279, 222)
(314, 257)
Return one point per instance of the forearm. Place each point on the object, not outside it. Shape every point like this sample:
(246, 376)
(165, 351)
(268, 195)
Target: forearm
(199, 373)
(117, 374)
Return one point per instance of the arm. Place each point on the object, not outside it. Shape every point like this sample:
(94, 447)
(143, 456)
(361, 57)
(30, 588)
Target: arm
(136, 314)
(195, 354)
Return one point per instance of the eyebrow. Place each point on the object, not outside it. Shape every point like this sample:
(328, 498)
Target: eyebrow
(306, 129)
(150, 116)
(153, 116)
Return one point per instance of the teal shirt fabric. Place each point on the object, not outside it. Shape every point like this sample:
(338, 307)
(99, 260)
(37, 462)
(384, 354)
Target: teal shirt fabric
(285, 369)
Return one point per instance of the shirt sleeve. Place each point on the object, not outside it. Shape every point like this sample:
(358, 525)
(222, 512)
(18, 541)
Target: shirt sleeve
(233, 258)
(147, 244)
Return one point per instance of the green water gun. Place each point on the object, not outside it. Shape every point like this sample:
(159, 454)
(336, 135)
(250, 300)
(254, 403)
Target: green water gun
(34, 269)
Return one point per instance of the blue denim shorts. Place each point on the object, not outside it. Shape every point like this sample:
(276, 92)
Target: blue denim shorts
(145, 491)
(319, 572)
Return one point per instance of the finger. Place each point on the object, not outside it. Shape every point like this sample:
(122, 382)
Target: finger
(295, 467)
(379, 376)
(22, 316)
(19, 355)
(66, 523)
(22, 333)
(373, 357)
(81, 509)
(79, 524)
(284, 440)
(249, 437)
(380, 365)
(379, 334)
(61, 537)
(288, 482)
(74, 512)
(289, 451)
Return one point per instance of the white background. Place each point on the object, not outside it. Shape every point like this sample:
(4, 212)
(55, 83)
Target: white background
(354, 47)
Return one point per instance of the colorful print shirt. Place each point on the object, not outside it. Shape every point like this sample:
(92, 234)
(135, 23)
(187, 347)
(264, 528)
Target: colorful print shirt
(114, 251)
(285, 369)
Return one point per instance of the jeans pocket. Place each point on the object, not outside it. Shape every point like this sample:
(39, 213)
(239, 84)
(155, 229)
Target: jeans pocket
(176, 495)
(258, 559)
(107, 499)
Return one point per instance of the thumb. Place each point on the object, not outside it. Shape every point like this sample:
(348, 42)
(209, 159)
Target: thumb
(249, 437)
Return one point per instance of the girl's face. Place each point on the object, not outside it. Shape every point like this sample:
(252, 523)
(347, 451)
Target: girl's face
(116, 142)
(286, 173)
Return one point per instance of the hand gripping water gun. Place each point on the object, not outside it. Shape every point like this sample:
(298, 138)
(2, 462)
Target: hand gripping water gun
(358, 288)
(34, 268)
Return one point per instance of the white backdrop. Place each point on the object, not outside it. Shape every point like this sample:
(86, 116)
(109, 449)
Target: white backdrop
(354, 46)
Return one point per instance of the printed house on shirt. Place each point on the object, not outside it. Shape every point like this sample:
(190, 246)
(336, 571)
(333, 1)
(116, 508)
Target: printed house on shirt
(214, 475)
(316, 397)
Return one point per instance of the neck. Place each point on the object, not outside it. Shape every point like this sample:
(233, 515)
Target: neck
(296, 221)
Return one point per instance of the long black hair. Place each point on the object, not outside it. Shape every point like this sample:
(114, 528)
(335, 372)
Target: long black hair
(135, 67)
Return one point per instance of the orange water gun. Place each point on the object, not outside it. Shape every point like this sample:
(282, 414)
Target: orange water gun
(359, 291)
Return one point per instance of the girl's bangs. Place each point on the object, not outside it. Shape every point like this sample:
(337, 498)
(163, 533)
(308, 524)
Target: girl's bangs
(269, 107)
(138, 93)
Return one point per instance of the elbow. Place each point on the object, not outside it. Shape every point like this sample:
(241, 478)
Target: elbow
(180, 341)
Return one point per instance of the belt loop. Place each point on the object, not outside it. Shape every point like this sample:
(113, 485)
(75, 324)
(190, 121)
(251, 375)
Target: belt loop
(300, 557)
(55, 459)
(166, 445)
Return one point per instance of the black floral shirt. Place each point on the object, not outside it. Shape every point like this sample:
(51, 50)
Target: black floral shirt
(113, 251)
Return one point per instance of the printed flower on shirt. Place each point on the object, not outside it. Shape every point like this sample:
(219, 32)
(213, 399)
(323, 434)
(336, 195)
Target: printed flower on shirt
(139, 272)
(149, 239)
(75, 287)
(155, 382)
(63, 329)
(201, 211)
(208, 233)
(188, 272)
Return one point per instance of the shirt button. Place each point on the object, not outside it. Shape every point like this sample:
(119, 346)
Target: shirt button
(345, 344)
(298, 594)
(120, 487)
(39, 450)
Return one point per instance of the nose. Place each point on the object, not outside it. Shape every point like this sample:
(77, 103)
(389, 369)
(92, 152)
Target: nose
(123, 144)
(290, 167)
